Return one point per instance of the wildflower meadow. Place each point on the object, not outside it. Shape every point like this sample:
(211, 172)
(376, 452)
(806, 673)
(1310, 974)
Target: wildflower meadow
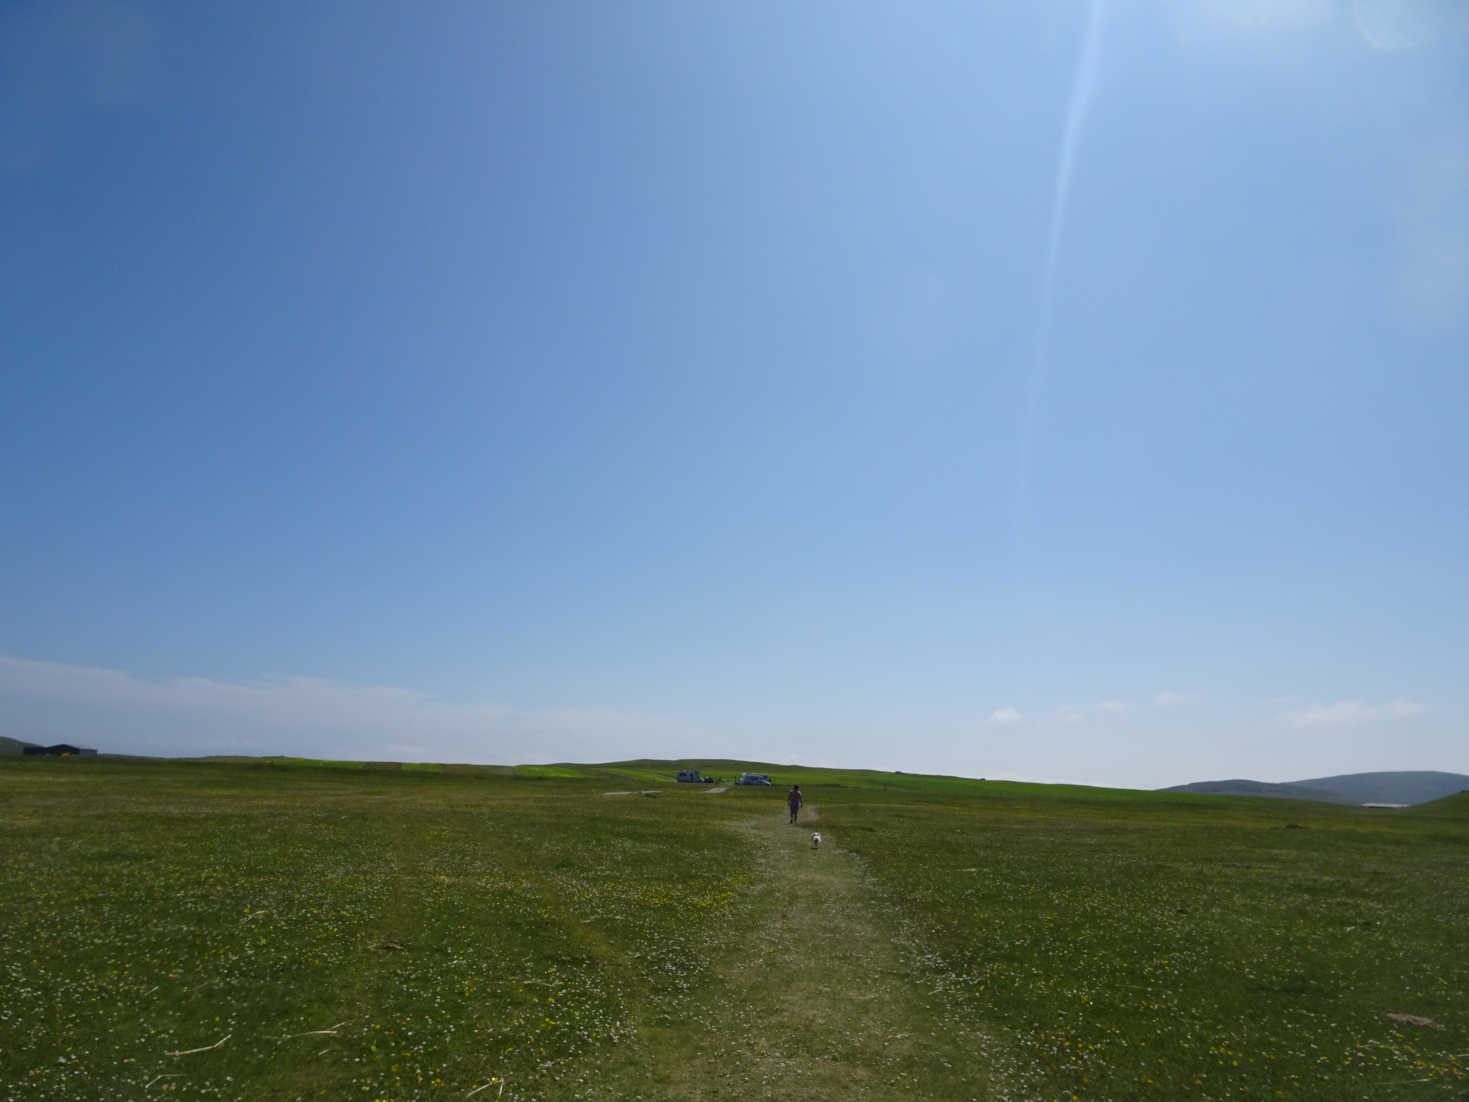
(290, 929)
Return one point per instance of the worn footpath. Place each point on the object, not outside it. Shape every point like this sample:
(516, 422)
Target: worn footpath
(819, 998)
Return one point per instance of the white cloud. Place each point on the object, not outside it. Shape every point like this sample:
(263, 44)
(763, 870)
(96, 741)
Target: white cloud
(1166, 698)
(1112, 707)
(1005, 717)
(1068, 714)
(1350, 713)
(118, 711)
(1344, 713)
(1403, 708)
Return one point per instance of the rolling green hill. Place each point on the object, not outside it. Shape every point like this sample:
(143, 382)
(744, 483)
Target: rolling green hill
(1450, 807)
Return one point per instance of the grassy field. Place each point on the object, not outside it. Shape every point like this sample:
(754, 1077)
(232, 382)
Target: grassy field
(290, 929)
(1156, 947)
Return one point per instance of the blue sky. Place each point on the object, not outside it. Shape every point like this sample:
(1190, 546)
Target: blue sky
(1068, 391)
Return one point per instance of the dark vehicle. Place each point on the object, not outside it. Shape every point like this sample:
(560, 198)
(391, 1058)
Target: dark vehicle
(754, 778)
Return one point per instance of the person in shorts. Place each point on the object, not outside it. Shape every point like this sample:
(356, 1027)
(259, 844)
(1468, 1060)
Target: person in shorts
(793, 800)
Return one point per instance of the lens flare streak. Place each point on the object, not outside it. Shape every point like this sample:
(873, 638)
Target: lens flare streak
(1083, 91)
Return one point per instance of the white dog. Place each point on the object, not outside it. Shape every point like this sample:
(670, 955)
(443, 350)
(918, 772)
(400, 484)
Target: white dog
(815, 839)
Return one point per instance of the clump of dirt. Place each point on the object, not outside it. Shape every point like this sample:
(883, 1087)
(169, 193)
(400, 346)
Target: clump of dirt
(1414, 1019)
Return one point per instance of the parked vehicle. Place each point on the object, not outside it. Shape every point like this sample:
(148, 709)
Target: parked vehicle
(690, 776)
(755, 778)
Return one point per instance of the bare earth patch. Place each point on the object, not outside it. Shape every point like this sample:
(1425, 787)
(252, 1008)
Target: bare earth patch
(1414, 1019)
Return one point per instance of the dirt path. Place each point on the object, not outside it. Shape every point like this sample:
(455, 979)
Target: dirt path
(819, 1000)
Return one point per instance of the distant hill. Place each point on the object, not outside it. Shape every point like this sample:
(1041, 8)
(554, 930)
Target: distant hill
(1348, 788)
(1393, 788)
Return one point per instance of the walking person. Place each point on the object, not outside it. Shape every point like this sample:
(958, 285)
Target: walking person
(793, 799)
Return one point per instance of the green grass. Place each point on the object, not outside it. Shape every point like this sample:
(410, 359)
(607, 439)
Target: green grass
(454, 930)
(1167, 947)
(548, 772)
(419, 932)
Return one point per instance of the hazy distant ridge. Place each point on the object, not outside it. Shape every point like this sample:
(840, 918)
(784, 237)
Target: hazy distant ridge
(1408, 787)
